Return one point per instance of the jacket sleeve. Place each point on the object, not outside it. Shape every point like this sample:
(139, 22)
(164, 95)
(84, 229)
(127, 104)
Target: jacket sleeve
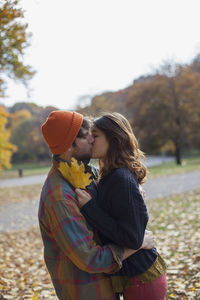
(68, 228)
(125, 222)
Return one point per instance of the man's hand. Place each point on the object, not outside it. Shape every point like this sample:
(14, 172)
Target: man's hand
(83, 197)
(149, 240)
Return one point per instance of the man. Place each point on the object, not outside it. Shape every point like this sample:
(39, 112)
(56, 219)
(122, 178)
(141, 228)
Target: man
(75, 262)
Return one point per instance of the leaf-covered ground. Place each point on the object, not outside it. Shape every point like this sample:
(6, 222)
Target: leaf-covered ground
(19, 193)
(175, 222)
(22, 271)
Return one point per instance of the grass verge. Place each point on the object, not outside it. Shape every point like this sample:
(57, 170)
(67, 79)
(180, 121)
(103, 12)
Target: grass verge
(29, 169)
(171, 168)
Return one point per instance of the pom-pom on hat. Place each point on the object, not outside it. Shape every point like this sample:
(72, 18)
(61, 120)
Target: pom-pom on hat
(60, 130)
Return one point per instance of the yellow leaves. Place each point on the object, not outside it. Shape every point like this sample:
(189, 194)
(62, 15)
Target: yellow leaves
(6, 149)
(3, 118)
(1, 284)
(22, 270)
(18, 117)
(23, 274)
(35, 297)
(17, 194)
(174, 221)
(75, 174)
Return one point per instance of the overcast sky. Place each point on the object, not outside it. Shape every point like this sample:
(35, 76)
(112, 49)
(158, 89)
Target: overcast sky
(81, 47)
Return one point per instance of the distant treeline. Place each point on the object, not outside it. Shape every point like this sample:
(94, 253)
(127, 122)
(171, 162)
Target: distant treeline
(163, 108)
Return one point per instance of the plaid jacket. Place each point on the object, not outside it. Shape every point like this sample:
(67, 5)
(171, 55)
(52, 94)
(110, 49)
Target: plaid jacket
(75, 263)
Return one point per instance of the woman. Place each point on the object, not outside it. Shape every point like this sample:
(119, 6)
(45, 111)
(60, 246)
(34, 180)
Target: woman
(118, 211)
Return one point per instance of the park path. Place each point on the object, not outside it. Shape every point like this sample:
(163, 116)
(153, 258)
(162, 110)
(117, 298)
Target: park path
(23, 215)
(37, 179)
(28, 180)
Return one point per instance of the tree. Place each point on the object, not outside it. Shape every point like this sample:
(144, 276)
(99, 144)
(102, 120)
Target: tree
(13, 41)
(28, 137)
(166, 108)
(17, 118)
(107, 102)
(195, 65)
(33, 108)
(30, 143)
(6, 148)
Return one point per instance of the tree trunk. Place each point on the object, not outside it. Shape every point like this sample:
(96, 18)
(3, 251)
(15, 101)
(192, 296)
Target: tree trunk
(178, 154)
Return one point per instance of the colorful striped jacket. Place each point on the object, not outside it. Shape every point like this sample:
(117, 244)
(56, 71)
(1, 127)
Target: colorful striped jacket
(75, 262)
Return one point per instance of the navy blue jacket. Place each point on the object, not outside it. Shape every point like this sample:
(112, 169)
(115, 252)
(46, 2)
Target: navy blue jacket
(118, 212)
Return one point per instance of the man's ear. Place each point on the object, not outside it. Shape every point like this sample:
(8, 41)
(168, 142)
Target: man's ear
(67, 154)
(70, 150)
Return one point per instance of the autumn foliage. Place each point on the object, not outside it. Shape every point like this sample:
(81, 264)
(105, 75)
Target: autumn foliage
(6, 148)
(20, 134)
(166, 109)
(163, 108)
(13, 40)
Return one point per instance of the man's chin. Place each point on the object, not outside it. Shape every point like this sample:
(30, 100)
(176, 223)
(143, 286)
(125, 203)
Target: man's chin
(85, 158)
(86, 161)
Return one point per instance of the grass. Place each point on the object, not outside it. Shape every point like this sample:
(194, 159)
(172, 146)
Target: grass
(28, 170)
(171, 168)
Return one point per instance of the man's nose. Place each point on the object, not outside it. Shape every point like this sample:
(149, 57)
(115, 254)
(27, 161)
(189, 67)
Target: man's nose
(90, 139)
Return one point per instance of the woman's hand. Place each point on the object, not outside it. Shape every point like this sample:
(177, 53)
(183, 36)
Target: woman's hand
(82, 196)
(149, 240)
(148, 243)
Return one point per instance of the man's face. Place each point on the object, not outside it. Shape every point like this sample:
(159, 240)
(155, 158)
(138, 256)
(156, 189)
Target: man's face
(83, 146)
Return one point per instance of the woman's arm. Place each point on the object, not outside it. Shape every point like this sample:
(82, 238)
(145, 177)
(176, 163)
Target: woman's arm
(126, 223)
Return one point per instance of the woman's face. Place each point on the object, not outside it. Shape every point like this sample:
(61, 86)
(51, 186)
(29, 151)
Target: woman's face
(100, 144)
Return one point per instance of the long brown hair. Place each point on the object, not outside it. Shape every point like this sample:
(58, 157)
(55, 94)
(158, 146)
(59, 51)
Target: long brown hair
(123, 148)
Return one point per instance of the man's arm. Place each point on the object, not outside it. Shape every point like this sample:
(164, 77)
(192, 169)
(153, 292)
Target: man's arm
(68, 228)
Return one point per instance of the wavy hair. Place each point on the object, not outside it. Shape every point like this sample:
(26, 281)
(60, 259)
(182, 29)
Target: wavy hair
(123, 148)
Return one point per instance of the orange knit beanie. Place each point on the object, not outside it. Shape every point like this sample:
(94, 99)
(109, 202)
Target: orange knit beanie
(60, 130)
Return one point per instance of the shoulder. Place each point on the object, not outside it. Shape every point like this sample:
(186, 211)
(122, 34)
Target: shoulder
(123, 175)
(57, 188)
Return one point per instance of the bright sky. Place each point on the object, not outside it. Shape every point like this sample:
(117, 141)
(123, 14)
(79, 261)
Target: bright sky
(82, 47)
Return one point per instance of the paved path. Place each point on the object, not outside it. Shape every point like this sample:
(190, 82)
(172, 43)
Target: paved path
(28, 180)
(174, 184)
(24, 215)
